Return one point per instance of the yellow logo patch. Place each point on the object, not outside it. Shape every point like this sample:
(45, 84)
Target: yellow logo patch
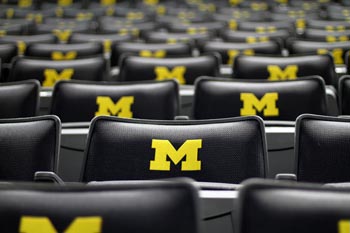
(267, 104)
(122, 108)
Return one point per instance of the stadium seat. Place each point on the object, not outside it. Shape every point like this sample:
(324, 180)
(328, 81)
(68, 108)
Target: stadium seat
(48, 72)
(328, 36)
(276, 68)
(321, 149)
(150, 207)
(223, 150)
(279, 100)
(274, 207)
(254, 37)
(185, 69)
(64, 51)
(344, 92)
(149, 50)
(28, 145)
(79, 101)
(19, 99)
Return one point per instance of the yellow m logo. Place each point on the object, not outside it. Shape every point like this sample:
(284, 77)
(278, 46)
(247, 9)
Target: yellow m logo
(344, 226)
(21, 46)
(276, 73)
(251, 104)
(135, 15)
(106, 106)
(234, 53)
(107, 2)
(178, 73)
(31, 224)
(51, 76)
(193, 31)
(331, 39)
(2, 33)
(157, 54)
(252, 39)
(336, 53)
(59, 56)
(25, 3)
(164, 149)
(62, 35)
(265, 29)
(65, 2)
(339, 28)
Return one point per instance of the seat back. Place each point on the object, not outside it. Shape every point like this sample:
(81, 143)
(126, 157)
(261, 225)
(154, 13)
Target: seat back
(273, 207)
(227, 150)
(48, 72)
(283, 68)
(75, 101)
(344, 95)
(321, 149)
(169, 207)
(279, 100)
(28, 145)
(185, 69)
(19, 99)
(7, 52)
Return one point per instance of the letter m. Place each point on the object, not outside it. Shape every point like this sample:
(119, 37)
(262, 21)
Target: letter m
(276, 73)
(121, 108)
(34, 224)
(52, 76)
(251, 104)
(164, 149)
(178, 73)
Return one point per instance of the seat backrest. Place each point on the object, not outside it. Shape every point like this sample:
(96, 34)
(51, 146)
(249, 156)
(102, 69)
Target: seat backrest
(149, 50)
(48, 72)
(185, 69)
(344, 95)
(274, 207)
(279, 100)
(64, 51)
(7, 52)
(283, 68)
(19, 99)
(328, 36)
(321, 149)
(254, 37)
(226, 150)
(28, 145)
(149, 207)
(75, 101)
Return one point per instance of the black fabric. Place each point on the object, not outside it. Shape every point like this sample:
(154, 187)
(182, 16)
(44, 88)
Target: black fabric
(232, 149)
(28, 145)
(75, 101)
(220, 98)
(7, 52)
(344, 95)
(275, 207)
(81, 50)
(140, 68)
(270, 47)
(322, 149)
(19, 99)
(149, 207)
(256, 67)
(92, 69)
(171, 50)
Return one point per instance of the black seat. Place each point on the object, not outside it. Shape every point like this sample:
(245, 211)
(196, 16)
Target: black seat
(328, 25)
(254, 37)
(50, 71)
(328, 36)
(321, 149)
(226, 150)
(169, 206)
(265, 26)
(344, 95)
(279, 100)
(229, 50)
(19, 99)
(75, 101)
(149, 50)
(28, 145)
(185, 69)
(274, 207)
(64, 51)
(283, 68)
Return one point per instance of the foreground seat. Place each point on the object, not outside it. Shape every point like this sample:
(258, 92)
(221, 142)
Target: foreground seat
(28, 145)
(226, 150)
(169, 206)
(79, 101)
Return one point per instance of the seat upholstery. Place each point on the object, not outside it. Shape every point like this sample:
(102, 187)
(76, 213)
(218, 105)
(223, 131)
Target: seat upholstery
(28, 145)
(274, 207)
(19, 99)
(75, 101)
(279, 100)
(224, 150)
(344, 95)
(321, 149)
(283, 68)
(50, 71)
(185, 69)
(150, 207)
